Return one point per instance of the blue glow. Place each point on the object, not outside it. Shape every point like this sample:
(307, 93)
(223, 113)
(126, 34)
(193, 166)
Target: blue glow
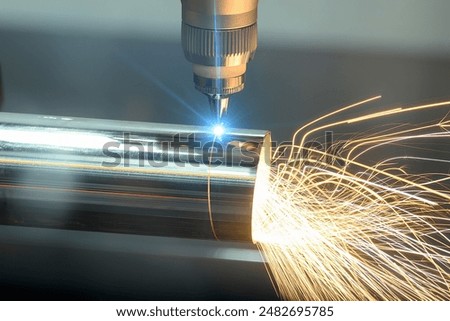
(218, 130)
(147, 74)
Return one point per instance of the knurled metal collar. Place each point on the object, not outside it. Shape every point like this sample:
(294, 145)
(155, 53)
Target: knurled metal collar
(219, 47)
(222, 86)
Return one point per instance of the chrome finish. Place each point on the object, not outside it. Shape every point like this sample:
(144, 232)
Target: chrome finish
(218, 105)
(219, 37)
(214, 47)
(219, 86)
(219, 14)
(126, 177)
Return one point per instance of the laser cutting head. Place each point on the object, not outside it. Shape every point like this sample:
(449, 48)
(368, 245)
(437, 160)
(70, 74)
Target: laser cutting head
(219, 38)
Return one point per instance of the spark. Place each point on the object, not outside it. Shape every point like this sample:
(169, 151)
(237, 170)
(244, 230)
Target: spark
(355, 222)
(218, 130)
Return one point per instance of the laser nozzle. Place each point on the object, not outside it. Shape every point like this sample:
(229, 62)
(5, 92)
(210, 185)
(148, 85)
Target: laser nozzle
(219, 38)
(218, 105)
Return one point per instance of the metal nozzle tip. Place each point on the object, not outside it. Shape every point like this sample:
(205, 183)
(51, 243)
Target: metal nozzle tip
(218, 105)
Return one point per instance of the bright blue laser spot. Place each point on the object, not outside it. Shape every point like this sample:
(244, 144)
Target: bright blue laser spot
(218, 130)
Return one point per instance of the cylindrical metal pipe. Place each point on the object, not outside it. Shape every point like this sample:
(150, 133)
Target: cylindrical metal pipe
(127, 177)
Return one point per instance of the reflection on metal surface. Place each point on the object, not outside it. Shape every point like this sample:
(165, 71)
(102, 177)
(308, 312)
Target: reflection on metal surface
(141, 245)
(66, 139)
(125, 177)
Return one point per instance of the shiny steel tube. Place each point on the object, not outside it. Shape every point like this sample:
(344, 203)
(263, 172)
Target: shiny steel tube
(127, 177)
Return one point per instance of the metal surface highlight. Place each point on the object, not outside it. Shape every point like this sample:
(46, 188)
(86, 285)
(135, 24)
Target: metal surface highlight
(126, 177)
